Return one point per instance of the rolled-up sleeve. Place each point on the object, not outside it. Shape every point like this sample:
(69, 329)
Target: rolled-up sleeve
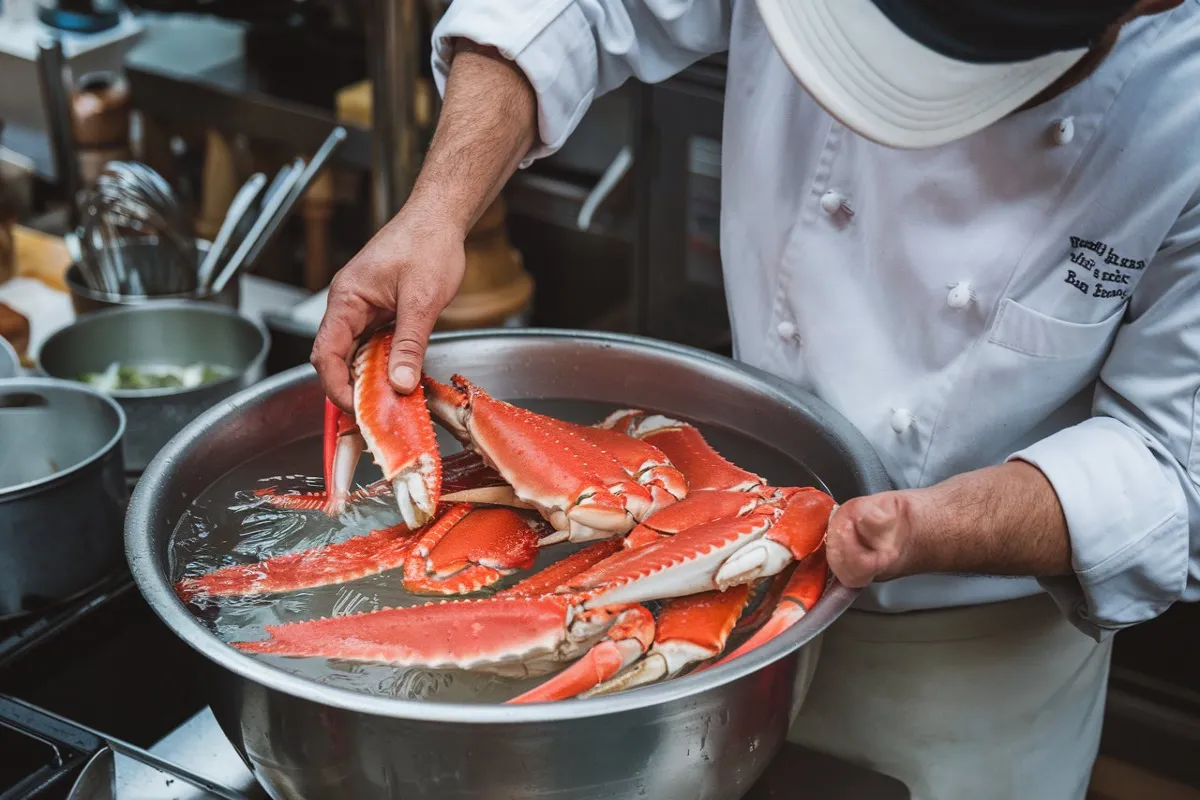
(574, 50)
(1128, 478)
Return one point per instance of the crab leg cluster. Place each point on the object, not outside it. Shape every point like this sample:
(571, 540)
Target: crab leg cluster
(680, 543)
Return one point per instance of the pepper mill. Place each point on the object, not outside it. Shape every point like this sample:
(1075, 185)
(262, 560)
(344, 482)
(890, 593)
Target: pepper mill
(496, 289)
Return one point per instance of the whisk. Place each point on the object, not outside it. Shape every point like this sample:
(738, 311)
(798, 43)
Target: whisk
(128, 200)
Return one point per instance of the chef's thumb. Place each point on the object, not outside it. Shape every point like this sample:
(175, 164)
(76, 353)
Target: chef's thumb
(414, 323)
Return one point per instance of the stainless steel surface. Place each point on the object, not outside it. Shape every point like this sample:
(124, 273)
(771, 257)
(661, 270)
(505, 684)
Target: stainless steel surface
(392, 63)
(10, 364)
(98, 779)
(238, 208)
(275, 206)
(331, 145)
(132, 197)
(178, 332)
(199, 746)
(143, 255)
(708, 735)
(51, 75)
(62, 491)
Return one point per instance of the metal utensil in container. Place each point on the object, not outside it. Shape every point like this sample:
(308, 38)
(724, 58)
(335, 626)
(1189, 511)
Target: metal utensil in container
(176, 333)
(707, 735)
(143, 254)
(62, 491)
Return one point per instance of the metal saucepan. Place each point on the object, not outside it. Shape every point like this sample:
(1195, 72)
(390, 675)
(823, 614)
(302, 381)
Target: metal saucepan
(149, 258)
(176, 333)
(10, 364)
(62, 492)
(709, 735)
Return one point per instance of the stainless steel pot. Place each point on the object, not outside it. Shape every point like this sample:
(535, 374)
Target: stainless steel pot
(62, 491)
(709, 735)
(10, 364)
(146, 256)
(173, 332)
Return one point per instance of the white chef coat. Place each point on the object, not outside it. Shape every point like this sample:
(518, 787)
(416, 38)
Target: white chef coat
(1031, 291)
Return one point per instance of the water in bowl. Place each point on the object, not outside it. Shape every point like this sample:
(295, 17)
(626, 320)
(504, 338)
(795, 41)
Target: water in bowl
(227, 525)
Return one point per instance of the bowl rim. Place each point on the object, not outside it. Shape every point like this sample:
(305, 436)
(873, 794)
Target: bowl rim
(79, 288)
(150, 576)
(198, 306)
(8, 355)
(18, 385)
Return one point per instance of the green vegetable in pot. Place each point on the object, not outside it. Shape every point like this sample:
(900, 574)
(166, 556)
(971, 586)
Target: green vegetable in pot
(125, 377)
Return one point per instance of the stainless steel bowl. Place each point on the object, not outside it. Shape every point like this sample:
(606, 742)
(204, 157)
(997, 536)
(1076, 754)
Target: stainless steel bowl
(708, 735)
(10, 364)
(145, 255)
(176, 332)
(62, 492)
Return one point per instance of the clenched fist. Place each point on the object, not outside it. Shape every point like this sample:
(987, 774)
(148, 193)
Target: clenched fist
(1001, 520)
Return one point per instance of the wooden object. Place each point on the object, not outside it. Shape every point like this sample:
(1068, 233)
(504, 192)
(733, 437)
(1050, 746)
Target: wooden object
(15, 328)
(220, 184)
(495, 285)
(317, 208)
(100, 122)
(41, 256)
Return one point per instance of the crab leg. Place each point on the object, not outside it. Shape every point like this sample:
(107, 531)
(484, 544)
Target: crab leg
(690, 630)
(511, 636)
(469, 549)
(627, 639)
(370, 554)
(342, 447)
(686, 448)
(698, 508)
(398, 432)
(556, 575)
(800, 594)
(582, 489)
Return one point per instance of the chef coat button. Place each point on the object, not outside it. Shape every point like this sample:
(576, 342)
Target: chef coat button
(902, 420)
(831, 201)
(960, 295)
(1063, 130)
(786, 330)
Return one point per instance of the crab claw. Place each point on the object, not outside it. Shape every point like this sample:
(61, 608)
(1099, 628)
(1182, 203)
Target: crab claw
(342, 446)
(398, 432)
(469, 549)
(798, 532)
(588, 483)
(800, 594)
(627, 638)
(690, 630)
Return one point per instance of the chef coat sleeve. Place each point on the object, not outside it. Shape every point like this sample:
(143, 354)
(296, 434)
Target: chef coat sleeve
(1128, 476)
(575, 50)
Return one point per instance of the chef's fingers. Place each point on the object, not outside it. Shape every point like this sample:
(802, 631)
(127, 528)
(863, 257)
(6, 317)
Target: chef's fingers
(865, 538)
(416, 313)
(346, 317)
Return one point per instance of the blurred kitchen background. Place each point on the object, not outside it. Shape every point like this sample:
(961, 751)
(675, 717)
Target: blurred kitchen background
(618, 231)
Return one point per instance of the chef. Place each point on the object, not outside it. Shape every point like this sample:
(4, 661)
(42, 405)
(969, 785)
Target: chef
(974, 229)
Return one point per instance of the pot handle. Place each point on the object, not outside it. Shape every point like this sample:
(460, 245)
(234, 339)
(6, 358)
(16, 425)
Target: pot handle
(21, 399)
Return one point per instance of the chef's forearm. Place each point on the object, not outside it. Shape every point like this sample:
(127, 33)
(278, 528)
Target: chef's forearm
(1001, 520)
(486, 126)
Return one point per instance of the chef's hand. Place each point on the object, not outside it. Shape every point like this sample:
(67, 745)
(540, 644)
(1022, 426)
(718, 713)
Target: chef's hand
(1001, 520)
(409, 272)
(411, 268)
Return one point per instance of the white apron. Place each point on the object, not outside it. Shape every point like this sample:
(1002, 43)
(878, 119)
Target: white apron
(1003, 701)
